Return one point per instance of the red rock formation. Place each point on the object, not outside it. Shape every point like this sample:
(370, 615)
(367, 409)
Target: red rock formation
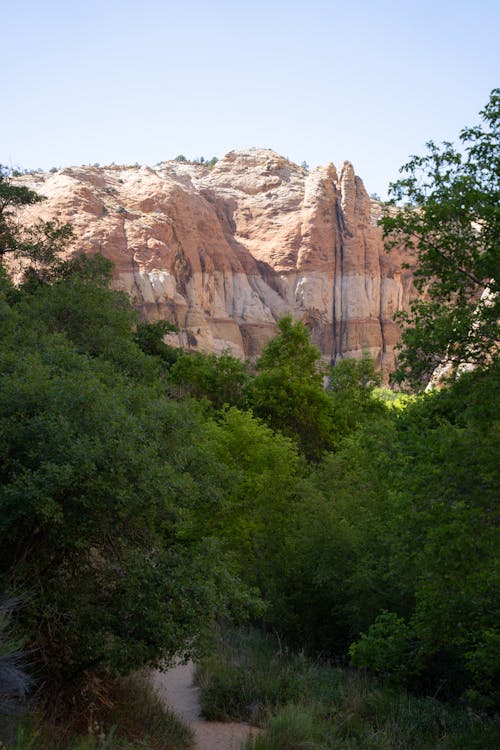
(225, 253)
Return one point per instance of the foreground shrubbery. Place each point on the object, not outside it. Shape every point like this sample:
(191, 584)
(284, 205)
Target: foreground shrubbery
(100, 477)
(302, 703)
(401, 520)
(136, 715)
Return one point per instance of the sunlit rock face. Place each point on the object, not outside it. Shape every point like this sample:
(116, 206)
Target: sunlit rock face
(224, 253)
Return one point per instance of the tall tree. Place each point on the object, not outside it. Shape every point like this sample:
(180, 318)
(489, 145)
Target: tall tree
(100, 476)
(11, 196)
(40, 243)
(288, 390)
(218, 379)
(450, 223)
(351, 386)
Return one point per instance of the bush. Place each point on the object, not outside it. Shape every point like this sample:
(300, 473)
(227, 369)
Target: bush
(246, 676)
(15, 683)
(388, 649)
(294, 727)
(102, 481)
(302, 704)
(132, 718)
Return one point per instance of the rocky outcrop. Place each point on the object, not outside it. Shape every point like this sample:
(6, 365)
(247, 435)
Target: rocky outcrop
(225, 252)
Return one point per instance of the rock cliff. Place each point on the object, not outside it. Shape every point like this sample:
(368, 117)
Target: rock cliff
(225, 252)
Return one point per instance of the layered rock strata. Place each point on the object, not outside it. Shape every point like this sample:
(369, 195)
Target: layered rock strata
(224, 253)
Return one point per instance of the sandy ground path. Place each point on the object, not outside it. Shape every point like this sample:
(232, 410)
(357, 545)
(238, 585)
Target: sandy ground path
(179, 693)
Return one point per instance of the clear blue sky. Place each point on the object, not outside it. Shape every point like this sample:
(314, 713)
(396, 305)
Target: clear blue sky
(370, 81)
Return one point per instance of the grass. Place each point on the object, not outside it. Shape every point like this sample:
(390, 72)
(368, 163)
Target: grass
(304, 705)
(250, 673)
(134, 718)
(294, 726)
(139, 713)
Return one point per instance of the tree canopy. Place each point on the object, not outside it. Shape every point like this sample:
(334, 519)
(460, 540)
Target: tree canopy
(288, 391)
(450, 224)
(104, 482)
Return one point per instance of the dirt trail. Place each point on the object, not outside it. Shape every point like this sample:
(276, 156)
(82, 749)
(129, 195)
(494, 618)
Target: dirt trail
(179, 693)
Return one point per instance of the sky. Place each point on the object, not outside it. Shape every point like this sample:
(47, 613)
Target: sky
(89, 81)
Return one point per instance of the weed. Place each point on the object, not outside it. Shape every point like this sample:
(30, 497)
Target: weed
(135, 719)
(304, 705)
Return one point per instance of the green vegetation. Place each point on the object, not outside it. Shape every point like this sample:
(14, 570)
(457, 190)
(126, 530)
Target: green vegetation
(149, 337)
(210, 163)
(288, 390)
(101, 481)
(401, 519)
(220, 380)
(451, 224)
(147, 494)
(98, 481)
(136, 715)
(264, 467)
(304, 703)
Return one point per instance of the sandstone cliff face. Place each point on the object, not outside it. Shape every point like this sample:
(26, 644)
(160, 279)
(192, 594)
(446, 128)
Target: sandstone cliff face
(225, 253)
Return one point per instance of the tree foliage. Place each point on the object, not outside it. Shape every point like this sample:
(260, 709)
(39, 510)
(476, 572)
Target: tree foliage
(451, 225)
(12, 196)
(333, 576)
(219, 379)
(351, 386)
(149, 337)
(264, 468)
(103, 482)
(99, 475)
(39, 243)
(401, 519)
(288, 391)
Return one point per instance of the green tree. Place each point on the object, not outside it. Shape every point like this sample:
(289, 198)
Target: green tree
(149, 338)
(334, 573)
(40, 243)
(219, 379)
(288, 391)
(11, 197)
(445, 521)
(451, 225)
(79, 305)
(441, 485)
(397, 529)
(264, 469)
(99, 478)
(291, 348)
(351, 385)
